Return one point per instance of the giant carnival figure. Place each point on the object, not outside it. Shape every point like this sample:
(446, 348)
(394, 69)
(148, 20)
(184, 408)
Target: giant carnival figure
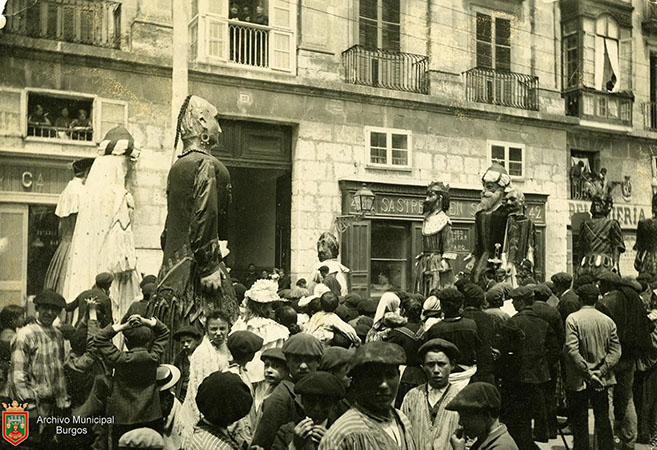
(432, 267)
(646, 244)
(103, 240)
(328, 249)
(67, 209)
(490, 221)
(600, 238)
(519, 239)
(193, 279)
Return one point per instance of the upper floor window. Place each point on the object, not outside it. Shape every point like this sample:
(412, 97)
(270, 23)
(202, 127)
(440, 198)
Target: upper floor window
(493, 36)
(508, 155)
(390, 148)
(379, 24)
(607, 62)
(60, 117)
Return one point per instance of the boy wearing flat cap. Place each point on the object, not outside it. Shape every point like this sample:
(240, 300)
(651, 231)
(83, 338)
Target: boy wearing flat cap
(425, 405)
(188, 338)
(373, 422)
(320, 393)
(303, 353)
(36, 376)
(478, 405)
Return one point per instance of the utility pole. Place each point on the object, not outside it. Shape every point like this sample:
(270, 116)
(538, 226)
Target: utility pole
(179, 83)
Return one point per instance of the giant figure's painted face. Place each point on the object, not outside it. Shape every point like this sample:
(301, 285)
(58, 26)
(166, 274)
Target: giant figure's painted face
(327, 247)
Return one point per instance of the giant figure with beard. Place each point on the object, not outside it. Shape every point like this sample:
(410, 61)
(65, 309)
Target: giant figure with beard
(432, 267)
(600, 238)
(193, 279)
(490, 220)
(519, 238)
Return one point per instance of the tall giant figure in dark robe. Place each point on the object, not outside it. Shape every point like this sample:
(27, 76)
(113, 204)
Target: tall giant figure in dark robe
(193, 279)
(519, 240)
(600, 239)
(490, 221)
(646, 244)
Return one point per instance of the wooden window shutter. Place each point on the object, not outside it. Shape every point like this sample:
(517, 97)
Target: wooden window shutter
(12, 116)
(355, 251)
(109, 114)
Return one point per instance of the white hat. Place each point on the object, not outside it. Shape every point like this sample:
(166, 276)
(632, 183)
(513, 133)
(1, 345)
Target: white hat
(263, 291)
(320, 289)
(167, 376)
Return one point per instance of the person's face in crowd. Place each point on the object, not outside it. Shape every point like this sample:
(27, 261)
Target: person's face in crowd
(246, 11)
(188, 344)
(342, 372)
(437, 368)
(376, 387)
(301, 365)
(518, 304)
(474, 424)
(252, 268)
(281, 272)
(82, 114)
(264, 274)
(317, 407)
(38, 110)
(217, 331)
(260, 10)
(383, 279)
(47, 314)
(64, 112)
(275, 371)
(234, 10)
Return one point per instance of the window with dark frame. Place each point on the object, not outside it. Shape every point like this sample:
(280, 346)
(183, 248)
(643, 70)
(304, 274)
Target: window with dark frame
(379, 24)
(55, 117)
(493, 42)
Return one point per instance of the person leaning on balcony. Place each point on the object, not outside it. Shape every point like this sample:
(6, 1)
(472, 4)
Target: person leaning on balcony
(260, 16)
(234, 11)
(39, 116)
(82, 120)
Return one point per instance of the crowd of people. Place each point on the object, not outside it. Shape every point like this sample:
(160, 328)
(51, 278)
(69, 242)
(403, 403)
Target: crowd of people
(478, 365)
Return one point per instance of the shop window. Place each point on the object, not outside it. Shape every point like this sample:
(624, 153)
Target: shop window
(510, 156)
(43, 239)
(56, 117)
(390, 257)
(390, 148)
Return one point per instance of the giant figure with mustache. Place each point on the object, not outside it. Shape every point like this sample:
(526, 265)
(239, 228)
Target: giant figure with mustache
(490, 220)
(432, 267)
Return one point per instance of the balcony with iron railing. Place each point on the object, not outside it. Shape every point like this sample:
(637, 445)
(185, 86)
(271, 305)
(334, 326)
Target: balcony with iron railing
(96, 22)
(386, 69)
(504, 88)
(599, 106)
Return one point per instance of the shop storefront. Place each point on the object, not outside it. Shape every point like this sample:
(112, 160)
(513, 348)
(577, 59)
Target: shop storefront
(380, 249)
(29, 189)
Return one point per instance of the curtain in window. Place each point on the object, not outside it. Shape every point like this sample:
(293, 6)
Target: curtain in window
(611, 46)
(599, 62)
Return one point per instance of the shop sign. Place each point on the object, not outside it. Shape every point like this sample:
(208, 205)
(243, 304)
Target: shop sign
(627, 215)
(460, 209)
(33, 179)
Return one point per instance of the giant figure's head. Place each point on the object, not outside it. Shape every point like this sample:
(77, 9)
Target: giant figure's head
(601, 205)
(494, 181)
(514, 200)
(327, 246)
(198, 120)
(437, 198)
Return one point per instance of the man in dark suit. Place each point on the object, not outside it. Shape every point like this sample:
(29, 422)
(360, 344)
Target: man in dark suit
(135, 398)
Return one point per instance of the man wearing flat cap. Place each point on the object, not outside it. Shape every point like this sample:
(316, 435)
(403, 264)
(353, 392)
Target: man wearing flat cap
(36, 376)
(592, 350)
(624, 306)
(425, 405)
(529, 349)
(478, 405)
(222, 399)
(373, 422)
(303, 354)
(98, 293)
(320, 394)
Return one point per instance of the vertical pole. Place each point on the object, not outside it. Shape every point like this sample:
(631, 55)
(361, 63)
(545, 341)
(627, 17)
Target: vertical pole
(179, 82)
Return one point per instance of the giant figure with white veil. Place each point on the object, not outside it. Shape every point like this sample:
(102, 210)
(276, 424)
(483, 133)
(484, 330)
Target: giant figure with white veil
(103, 239)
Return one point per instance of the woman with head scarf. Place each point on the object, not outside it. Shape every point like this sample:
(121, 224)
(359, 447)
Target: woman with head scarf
(387, 316)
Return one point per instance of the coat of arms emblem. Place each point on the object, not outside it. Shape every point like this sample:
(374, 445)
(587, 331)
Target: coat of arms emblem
(15, 425)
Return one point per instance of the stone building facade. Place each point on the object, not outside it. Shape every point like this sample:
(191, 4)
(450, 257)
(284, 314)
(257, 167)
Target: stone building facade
(318, 98)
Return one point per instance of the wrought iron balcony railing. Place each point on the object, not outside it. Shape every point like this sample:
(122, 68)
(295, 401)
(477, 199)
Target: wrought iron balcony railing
(600, 106)
(386, 69)
(96, 22)
(499, 87)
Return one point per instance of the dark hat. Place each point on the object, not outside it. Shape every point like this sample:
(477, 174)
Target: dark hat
(378, 352)
(362, 328)
(187, 330)
(474, 295)
(141, 438)
(631, 283)
(562, 278)
(273, 353)
(528, 281)
(335, 357)
(451, 297)
(223, 398)
(148, 289)
(478, 396)
(495, 294)
(522, 293)
(147, 279)
(141, 334)
(244, 342)
(542, 292)
(588, 291)
(581, 280)
(119, 142)
(81, 165)
(352, 300)
(104, 279)
(439, 345)
(322, 384)
(303, 344)
(610, 277)
(366, 307)
(49, 297)
(240, 289)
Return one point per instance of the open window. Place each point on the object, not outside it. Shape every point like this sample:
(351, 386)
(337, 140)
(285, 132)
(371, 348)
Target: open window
(64, 117)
